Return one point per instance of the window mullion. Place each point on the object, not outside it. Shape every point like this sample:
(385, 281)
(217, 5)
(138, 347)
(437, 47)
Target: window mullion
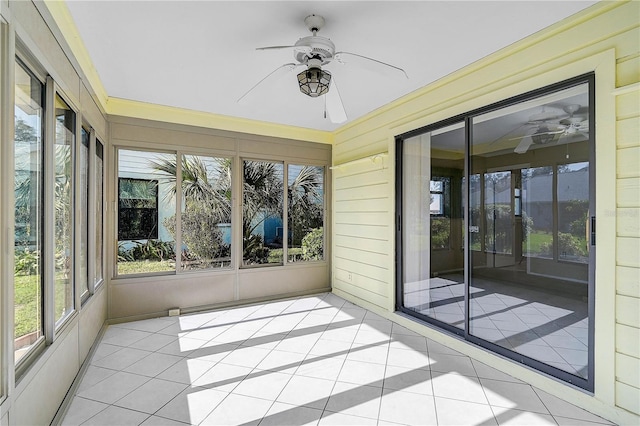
(91, 222)
(178, 212)
(285, 214)
(49, 212)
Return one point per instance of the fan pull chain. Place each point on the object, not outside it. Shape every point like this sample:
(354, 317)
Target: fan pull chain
(325, 106)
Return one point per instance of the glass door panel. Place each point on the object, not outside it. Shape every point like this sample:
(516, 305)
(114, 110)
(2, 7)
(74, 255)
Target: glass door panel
(528, 286)
(433, 261)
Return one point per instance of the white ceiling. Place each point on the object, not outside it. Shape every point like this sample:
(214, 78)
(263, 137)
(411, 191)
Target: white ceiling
(200, 55)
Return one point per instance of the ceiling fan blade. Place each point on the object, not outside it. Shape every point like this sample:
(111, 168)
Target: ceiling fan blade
(306, 49)
(508, 133)
(334, 105)
(584, 125)
(524, 145)
(554, 132)
(280, 70)
(344, 57)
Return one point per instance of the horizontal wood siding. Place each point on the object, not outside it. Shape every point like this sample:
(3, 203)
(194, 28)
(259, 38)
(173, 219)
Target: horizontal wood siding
(628, 233)
(362, 263)
(628, 341)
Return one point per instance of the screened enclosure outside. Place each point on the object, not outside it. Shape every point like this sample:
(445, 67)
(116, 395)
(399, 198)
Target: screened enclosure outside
(506, 261)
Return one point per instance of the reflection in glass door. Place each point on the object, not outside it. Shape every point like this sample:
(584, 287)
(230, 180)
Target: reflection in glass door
(498, 219)
(529, 288)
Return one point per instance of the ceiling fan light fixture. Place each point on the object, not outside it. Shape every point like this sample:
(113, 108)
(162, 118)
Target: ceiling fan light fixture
(543, 136)
(314, 81)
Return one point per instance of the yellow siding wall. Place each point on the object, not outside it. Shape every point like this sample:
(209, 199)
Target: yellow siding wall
(362, 263)
(364, 247)
(628, 235)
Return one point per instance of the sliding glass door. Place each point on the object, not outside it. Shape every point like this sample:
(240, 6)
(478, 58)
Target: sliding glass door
(507, 260)
(433, 261)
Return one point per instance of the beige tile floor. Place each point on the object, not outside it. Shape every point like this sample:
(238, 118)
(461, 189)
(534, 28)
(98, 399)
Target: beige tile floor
(313, 360)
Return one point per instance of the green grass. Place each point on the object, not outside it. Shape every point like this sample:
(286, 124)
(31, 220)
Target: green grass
(27, 294)
(27, 309)
(28, 315)
(145, 267)
(535, 240)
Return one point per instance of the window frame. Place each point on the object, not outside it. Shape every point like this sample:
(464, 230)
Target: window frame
(324, 211)
(283, 213)
(590, 80)
(23, 60)
(237, 158)
(96, 200)
(178, 194)
(56, 326)
(180, 200)
(93, 198)
(83, 213)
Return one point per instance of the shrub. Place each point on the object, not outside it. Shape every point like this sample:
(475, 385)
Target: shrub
(26, 262)
(440, 230)
(568, 245)
(149, 250)
(312, 245)
(254, 251)
(200, 232)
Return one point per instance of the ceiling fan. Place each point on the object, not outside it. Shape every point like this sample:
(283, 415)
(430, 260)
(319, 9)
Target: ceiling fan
(546, 131)
(312, 53)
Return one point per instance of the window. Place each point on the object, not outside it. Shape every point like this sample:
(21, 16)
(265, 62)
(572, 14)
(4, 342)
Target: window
(28, 255)
(99, 213)
(137, 209)
(146, 208)
(306, 213)
(63, 209)
(440, 211)
(519, 279)
(436, 206)
(82, 280)
(206, 213)
(262, 221)
(53, 251)
(152, 238)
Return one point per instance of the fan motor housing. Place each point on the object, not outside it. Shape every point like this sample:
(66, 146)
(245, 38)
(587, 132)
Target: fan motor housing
(321, 48)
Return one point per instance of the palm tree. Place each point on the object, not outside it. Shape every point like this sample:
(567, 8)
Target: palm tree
(197, 184)
(305, 202)
(263, 192)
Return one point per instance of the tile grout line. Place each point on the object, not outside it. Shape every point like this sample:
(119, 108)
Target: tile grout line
(324, 410)
(292, 375)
